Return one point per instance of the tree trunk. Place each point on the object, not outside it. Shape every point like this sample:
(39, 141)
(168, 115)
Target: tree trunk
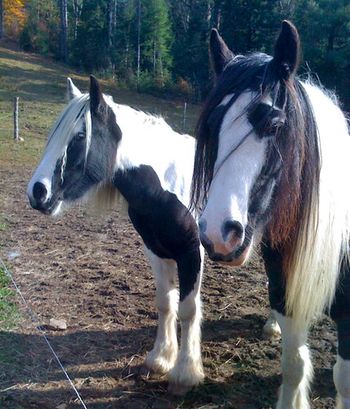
(64, 30)
(1, 19)
(77, 6)
(138, 41)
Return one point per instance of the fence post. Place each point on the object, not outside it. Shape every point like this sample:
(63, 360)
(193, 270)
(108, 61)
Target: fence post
(15, 120)
(184, 118)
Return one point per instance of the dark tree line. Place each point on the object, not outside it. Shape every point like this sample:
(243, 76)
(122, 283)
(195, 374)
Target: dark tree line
(162, 44)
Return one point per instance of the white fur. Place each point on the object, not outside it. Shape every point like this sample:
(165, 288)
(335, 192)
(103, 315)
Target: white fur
(341, 376)
(312, 281)
(163, 355)
(296, 366)
(151, 141)
(188, 370)
(234, 175)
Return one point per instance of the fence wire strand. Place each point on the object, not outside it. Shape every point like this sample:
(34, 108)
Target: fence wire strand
(36, 321)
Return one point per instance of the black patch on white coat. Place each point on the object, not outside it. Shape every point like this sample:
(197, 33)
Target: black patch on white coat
(166, 226)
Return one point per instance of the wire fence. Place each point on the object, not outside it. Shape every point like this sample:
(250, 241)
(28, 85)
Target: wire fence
(35, 320)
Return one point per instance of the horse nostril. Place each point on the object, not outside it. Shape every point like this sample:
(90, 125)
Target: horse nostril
(39, 192)
(232, 227)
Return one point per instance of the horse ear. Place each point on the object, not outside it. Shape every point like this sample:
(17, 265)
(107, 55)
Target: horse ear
(72, 90)
(96, 97)
(287, 51)
(219, 52)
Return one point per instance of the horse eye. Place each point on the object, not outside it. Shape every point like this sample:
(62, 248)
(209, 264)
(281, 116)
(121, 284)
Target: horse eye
(81, 135)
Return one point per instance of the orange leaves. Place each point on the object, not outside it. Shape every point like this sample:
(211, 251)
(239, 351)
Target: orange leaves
(14, 16)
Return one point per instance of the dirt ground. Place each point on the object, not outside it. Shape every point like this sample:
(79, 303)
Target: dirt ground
(91, 272)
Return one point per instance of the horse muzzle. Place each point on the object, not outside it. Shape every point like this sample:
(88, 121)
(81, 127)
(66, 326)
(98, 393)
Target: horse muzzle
(230, 245)
(40, 198)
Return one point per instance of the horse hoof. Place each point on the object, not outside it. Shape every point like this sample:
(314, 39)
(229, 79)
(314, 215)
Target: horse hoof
(271, 331)
(178, 390)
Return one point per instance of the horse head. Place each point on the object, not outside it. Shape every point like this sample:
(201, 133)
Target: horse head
(80, 154)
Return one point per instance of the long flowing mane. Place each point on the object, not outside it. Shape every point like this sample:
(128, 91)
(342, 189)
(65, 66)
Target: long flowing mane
(311, 264)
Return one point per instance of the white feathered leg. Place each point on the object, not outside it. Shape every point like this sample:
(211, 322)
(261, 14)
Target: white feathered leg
(296, 366)
(163, 355)
(188, 370)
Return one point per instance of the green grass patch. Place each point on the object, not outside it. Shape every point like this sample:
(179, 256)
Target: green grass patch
(9, 313)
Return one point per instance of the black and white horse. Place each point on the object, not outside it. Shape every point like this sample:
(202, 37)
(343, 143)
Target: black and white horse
(272, 167)
(98, 148)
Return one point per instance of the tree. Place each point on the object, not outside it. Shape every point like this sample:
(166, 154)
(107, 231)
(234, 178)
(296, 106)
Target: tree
(90, 49)
(1, 19)
(155, 39)
(63, 30)
(13, 16)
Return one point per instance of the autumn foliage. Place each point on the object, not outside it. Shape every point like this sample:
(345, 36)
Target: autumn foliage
(14, 16)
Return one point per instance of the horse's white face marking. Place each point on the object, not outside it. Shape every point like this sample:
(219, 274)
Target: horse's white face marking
(234, 176)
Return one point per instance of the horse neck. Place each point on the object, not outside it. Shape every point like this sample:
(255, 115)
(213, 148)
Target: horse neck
(146, 140)
(149, 144)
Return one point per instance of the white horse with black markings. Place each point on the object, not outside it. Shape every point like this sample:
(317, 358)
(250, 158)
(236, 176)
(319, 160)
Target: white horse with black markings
(272, 167)
(97, 149)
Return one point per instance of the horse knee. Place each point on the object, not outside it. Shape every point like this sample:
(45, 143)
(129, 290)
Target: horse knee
(166, 301)
(190, 308)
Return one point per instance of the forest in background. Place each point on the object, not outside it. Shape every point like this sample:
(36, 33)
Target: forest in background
(161, 46)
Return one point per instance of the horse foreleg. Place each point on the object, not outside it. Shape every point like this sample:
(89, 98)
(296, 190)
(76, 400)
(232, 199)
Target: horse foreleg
(340, 313)
(296, 366)
(188, 369)
(163, 355)
(341, 375)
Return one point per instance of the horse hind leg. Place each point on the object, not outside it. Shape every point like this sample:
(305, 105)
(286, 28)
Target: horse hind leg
(163, 355)
(188, 370)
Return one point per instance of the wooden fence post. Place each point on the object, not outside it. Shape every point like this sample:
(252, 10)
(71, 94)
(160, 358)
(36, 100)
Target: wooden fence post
(184, 118)
(15, 120)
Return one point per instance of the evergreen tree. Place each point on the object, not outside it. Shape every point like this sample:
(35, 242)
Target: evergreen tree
(90, 49)
(155, 39)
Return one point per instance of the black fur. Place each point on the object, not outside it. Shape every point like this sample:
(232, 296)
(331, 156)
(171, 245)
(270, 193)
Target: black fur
(274, 266)
(340, 311)
(166, 226)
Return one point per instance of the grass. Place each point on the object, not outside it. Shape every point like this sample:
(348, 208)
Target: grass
(9, 313)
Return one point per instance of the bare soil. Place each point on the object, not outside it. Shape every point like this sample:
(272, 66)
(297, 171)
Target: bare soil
(91, 272)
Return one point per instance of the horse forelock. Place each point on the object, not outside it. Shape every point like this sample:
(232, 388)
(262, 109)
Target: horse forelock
(63, 130)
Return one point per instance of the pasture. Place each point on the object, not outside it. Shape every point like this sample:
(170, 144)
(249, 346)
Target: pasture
(90, 271)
